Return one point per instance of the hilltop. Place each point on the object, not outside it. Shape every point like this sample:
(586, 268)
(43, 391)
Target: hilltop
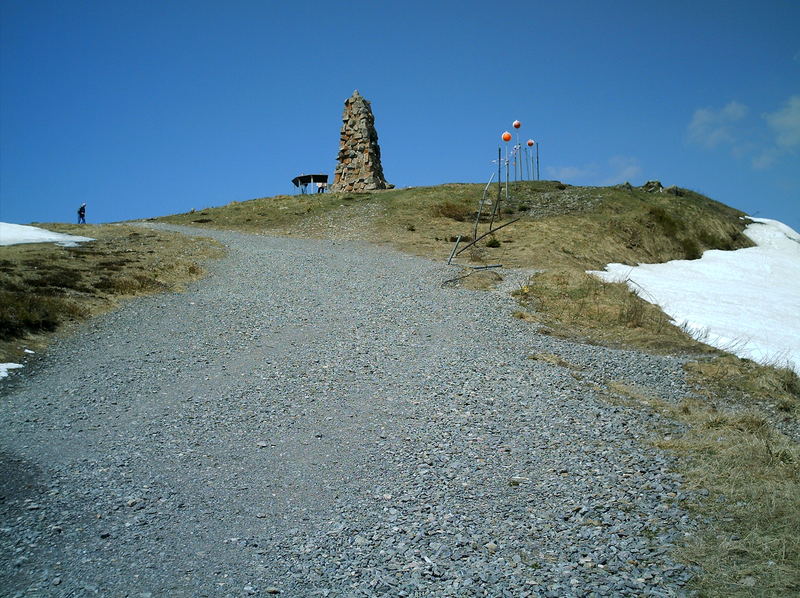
(560, 230)
(557, 233)
(558, 223)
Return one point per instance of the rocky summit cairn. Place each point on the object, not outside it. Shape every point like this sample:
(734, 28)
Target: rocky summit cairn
(359, 167)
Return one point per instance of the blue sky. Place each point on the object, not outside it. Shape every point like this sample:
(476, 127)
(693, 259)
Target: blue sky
(148, 108)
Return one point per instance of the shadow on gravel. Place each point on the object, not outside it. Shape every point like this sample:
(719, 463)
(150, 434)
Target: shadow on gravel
(19, 480)
(20, 488)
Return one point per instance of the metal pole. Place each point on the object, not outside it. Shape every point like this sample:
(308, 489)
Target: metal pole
(486, 234)
(528, 161)
(506, 171)
(533, 170)
(527, 174)
(537, 160)
(514, 160)
(480, 207)
(452, 253)
(499, 172)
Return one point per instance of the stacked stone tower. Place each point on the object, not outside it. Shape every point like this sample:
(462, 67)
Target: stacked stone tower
(359, 167)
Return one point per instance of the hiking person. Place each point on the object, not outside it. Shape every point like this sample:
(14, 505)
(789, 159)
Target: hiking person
(82, 214)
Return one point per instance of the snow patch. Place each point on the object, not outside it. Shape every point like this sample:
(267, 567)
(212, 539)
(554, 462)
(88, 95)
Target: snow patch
(4, 367)
(16, 234)
(746, 302)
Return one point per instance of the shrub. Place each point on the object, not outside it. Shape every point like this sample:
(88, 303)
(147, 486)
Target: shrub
(691, 249)
(664, 219)
(452, 210)
(709, 239)
(22, 313)
(632, 312)
(61, 278)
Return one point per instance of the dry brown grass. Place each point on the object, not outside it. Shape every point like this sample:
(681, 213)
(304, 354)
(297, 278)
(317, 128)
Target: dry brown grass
(752, 547)
(748, 382)
(554, 359)
(748, 476)
(581, 306)
(480, 280)
(45, 286)
(279, 213)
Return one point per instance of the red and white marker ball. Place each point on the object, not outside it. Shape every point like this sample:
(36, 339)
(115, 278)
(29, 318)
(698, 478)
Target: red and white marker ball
(530, 142)
(517, 124)
(506, 136)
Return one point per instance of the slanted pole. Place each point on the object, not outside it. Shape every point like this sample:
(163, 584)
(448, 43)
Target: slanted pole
(452, 253)
(480, 207)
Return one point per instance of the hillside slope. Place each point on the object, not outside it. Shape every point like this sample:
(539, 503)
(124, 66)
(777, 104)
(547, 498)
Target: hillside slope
(560, 230)
(584, 226)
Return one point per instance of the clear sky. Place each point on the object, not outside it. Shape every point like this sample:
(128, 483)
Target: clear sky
(144, 108)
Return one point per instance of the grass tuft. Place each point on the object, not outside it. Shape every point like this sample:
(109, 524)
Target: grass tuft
(747, 383)
(22, 313)
(455, 211)
(752, 474)
(582, 306)
(743, 479)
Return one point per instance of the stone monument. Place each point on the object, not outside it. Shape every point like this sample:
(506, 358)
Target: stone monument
(359, 167)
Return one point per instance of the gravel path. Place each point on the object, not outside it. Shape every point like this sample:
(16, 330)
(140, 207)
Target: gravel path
(324, 418)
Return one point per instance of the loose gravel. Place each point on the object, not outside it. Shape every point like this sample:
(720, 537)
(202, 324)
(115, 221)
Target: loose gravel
(326, 418)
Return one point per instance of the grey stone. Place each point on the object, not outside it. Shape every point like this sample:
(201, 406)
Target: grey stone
(653, 187)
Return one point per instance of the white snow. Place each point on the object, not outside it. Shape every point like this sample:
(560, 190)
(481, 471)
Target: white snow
(4, 367)
(746, 301)
(15, 234)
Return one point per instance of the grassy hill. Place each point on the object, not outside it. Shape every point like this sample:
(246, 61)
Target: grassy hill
(750, 545)
(561, 230)
(559, 224)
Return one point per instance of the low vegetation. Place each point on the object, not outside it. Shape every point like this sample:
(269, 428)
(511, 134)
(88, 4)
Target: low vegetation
(749, 383)
(44, 286)
(744, 478)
